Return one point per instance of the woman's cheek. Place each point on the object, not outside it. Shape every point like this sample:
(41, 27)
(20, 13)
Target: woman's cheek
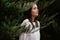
(36, 13)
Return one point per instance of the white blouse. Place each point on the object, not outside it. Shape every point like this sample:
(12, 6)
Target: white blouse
(33, 34)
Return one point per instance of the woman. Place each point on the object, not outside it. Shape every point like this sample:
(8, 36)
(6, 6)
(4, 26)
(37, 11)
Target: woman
(32, 24)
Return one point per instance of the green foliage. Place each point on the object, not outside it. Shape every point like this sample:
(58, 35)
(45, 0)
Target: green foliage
(11, 15)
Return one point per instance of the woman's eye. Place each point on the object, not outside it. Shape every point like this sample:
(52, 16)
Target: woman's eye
(34, 8)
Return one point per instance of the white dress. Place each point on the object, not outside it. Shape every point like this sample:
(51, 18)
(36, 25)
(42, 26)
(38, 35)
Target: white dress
(33, 35)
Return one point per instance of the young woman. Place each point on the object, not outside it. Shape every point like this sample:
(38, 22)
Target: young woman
(32, 24)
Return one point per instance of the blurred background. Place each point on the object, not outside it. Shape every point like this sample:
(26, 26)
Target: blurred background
(12, 14)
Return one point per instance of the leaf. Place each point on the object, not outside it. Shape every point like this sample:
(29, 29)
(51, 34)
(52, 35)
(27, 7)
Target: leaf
(48, 24)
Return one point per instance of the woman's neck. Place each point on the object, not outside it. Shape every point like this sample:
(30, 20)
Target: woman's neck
(32, 19)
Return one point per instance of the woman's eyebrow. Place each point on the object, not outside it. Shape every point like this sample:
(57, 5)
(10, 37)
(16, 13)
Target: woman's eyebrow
(35, 7)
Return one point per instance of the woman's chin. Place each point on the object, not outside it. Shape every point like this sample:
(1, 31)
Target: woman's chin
(36, 14)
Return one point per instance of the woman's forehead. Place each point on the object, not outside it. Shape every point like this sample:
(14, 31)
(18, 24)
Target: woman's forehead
(34, 5)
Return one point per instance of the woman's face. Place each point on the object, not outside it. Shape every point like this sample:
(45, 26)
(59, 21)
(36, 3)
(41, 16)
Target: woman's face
(34, 10)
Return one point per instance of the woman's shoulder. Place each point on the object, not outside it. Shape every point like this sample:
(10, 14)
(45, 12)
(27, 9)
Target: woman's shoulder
(25, 20)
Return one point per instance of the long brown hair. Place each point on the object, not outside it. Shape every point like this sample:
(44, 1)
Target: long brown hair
(28, 12)
(28, 15)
